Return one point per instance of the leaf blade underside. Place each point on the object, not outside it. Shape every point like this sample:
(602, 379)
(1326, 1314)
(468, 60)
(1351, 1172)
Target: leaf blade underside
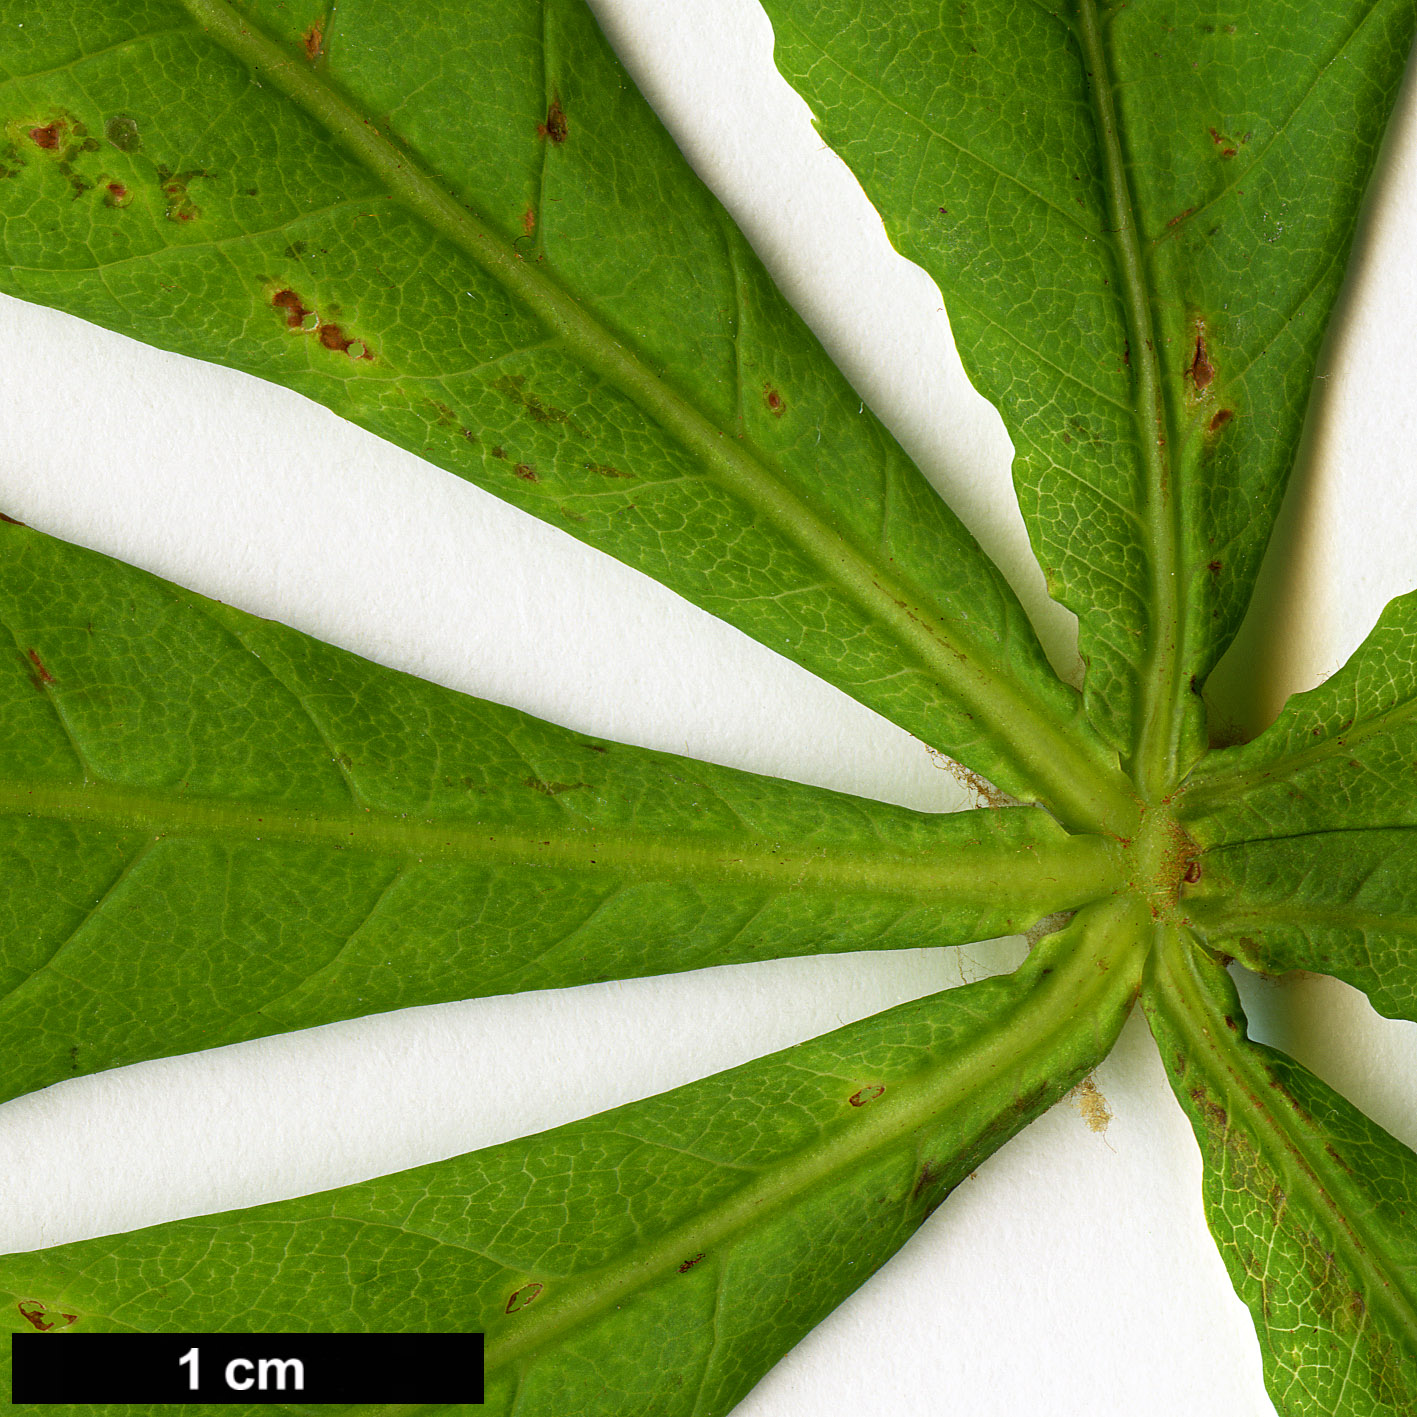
(688, 1255)
(215, 828)
(1310, 830)
(665, 404)
(1138, 215)
(1311, 1204)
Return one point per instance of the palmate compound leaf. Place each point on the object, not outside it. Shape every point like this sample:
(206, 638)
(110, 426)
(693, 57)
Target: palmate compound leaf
(1310, 831)
(1165, 628)
(1139, 215)
(503, 264)
(652, 1260)
(215, 828)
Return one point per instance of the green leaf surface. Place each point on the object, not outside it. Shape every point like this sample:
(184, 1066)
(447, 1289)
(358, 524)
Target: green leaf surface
(214, 828)
(1311, 859)
(1340, 903)
(1339, 757)
(1311, 1203)
(655, 1259)
(1138, 214)
(517, 276)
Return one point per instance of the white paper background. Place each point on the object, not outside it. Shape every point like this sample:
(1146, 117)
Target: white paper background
(1073, 1274)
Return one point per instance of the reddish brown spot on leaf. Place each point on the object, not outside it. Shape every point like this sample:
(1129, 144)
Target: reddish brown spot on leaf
(48, 136)
(555, 129)
(528, 221)
(526, 472)
(526, 1295)
(1193, 872)
(42, 1316)
(1214, 566)
(303, 320)
(1222, 417)
(116, 195)
(1201, 370)
(930, 1172)
(333, 337)
(313, 41)
(867, 1094)
(773, 399)
(292, 305)
(689, 1264)
(42, 675)
(1212, 1113)
(1180, 217)
(606, 469)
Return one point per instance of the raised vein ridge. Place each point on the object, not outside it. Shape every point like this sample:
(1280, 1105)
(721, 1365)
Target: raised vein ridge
(1158, 730)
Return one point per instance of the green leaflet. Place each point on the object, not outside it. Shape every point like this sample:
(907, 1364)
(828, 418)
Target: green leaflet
(1138, 214)
(519, 278)
(1340, 903)
(1340, 756)
(1309, 828)
(1310, 1203)
(215, 828)
(718, 1222)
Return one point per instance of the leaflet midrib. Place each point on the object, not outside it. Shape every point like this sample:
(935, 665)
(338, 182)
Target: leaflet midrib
(1080, 867)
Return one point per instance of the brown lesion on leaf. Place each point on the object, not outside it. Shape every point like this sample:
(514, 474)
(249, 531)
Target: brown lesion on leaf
(115, 194)
(12, 161)
(292, 306)
(1200, 371)
(44, 1317)
(930, 1172)
(1215, 1118)
(521, 1298)
(555, 129)
(313, 41)
(60, 137)
(1227, 148)
(690, 1263)
(1221, 418)
(773, 400)
(513, 386)
(869, 1093)
(526, 472)
(605, 469)
(301, 318)
(41, 678)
